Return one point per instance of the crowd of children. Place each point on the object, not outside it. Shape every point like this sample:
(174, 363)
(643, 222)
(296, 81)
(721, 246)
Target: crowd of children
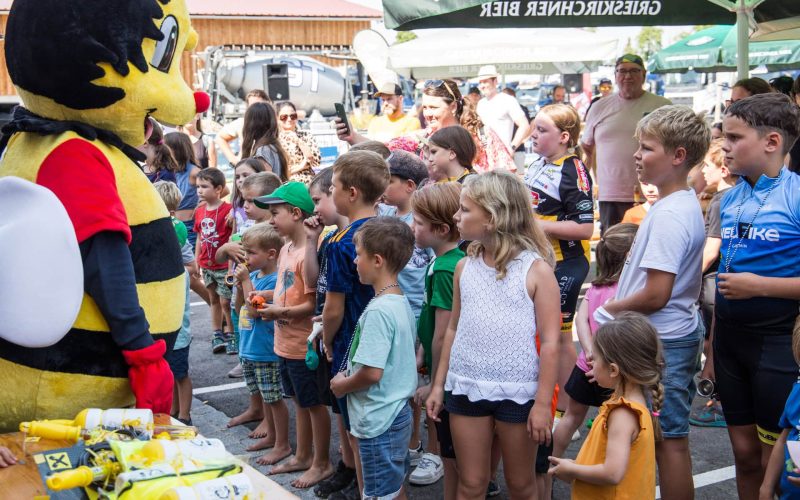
(392, 284)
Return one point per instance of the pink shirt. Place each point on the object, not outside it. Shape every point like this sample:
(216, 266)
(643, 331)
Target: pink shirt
(595, 297)
(610, 126)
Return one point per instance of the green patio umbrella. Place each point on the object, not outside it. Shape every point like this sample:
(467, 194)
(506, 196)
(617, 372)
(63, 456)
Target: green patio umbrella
(415, 14)
(714, 49)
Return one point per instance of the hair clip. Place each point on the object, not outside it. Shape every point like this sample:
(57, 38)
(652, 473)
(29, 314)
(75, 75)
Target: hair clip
(160, 142)
(656, 414)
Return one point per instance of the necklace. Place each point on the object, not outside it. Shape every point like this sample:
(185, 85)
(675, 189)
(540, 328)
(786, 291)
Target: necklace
(343, 366)
(741, 234)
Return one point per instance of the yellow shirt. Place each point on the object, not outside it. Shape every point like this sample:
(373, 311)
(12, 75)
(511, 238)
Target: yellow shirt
(384, 129)
(639, 482)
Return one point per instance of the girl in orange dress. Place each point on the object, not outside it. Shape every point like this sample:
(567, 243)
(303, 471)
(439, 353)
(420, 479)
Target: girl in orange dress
(618, 459)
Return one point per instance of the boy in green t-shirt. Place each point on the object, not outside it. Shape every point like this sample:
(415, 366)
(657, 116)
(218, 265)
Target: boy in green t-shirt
(434, 228)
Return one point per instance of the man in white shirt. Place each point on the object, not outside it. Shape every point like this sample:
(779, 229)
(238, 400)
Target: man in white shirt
(233, 130)
(500, 111)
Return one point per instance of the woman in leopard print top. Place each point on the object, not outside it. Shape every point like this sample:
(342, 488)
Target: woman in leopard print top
(300, 146)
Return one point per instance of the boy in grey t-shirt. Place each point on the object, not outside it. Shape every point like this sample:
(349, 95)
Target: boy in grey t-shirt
(380, 375)
(662, 277)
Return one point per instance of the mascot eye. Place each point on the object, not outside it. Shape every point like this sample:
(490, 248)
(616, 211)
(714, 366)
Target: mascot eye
(165, 48)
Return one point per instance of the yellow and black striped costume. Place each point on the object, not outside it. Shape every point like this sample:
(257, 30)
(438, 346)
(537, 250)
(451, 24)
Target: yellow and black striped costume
(86, 368)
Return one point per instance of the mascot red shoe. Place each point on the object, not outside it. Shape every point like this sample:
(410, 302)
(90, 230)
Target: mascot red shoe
(92, 280)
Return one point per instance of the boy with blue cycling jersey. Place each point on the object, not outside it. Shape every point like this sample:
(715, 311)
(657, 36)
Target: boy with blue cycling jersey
(758, 287)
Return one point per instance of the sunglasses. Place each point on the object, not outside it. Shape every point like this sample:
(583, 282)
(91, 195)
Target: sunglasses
(292, 117)
(437, 84)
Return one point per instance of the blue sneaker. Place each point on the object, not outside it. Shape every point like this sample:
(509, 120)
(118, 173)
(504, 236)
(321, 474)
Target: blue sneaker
(709, 416)
(218, 342)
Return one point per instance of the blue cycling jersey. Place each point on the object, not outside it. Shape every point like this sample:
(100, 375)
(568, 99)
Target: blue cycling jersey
(767, 243)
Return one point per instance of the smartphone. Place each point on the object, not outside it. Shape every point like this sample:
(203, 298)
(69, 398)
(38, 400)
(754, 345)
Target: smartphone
(340, 112)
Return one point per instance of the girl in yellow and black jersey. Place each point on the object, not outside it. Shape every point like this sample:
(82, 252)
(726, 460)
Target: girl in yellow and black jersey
(562, 199)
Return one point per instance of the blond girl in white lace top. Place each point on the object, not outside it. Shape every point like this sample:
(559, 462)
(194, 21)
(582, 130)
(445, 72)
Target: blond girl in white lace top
(504, 295)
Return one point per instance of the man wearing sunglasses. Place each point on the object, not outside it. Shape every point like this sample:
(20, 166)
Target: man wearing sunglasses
(392, 122)
(608, 138)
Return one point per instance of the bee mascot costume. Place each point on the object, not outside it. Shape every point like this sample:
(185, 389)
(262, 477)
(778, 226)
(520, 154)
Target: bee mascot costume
(91, 278)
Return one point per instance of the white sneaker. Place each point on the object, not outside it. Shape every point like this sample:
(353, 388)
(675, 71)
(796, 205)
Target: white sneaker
(429, 470)
(416, 454)
(575, 435)
(236, 371)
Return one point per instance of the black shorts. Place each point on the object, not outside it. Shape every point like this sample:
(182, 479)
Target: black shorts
(300, 383)
(570, 274)
(178, 361)
(542, 460)
(754, 375)
(503, 411)
(444, 436)
(612, 212)
(584, 392)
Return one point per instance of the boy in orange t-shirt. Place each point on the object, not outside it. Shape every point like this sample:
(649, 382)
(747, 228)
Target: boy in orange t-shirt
(292, 308)
(636, 214)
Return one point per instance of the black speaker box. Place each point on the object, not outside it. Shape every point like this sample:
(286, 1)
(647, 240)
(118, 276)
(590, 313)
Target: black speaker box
(276, 81)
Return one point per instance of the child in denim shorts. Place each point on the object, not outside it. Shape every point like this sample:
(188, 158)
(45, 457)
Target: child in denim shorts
(380, 377)
(662, 277)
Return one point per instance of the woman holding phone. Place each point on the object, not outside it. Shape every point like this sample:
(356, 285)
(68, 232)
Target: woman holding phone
(443, 106)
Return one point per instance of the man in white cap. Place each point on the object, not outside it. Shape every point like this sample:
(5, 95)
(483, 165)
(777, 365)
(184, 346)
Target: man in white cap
(392, 122)
(500, 111)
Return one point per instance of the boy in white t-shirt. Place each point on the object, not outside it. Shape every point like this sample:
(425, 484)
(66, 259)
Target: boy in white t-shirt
(662, 277)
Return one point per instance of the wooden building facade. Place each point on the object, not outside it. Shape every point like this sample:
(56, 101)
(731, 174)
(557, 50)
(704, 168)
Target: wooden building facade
(284, 23)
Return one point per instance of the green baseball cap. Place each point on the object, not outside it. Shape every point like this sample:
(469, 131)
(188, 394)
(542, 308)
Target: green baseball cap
(630, 58)
(294, 193)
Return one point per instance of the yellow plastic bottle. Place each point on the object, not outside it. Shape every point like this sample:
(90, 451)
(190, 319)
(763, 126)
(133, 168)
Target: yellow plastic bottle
(90, 418)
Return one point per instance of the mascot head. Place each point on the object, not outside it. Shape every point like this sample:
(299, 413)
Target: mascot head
(107, 63)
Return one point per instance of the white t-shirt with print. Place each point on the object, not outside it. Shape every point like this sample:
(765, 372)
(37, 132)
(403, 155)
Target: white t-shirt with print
(670, 239)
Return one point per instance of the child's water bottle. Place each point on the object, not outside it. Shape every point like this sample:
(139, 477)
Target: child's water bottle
(233, 487)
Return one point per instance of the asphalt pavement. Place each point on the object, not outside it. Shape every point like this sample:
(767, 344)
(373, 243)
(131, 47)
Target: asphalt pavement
(217, 398)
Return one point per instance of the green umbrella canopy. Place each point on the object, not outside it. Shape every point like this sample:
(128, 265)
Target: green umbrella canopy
(714, 50)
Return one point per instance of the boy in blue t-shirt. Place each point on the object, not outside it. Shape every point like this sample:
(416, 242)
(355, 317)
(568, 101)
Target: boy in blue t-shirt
(380, 375)
(758, 285)
(359, 180)
(316, 267)
(256, 339)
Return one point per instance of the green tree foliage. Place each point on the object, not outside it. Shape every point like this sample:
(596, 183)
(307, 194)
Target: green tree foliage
(404, 36)
(649, 41)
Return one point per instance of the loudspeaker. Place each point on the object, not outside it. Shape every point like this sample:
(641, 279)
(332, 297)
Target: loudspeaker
(573, 83)
(276, 81)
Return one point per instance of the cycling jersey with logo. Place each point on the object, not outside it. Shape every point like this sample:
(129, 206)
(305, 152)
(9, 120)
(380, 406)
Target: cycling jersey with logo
(562, 191)
(766, 244)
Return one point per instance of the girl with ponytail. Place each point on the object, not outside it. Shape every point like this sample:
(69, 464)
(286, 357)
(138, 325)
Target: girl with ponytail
(160, 163)
(617, 460)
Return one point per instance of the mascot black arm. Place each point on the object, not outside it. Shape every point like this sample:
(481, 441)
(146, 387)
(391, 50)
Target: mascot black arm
(109, 279)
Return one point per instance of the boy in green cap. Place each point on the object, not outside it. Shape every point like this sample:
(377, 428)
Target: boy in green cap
(292, 309)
